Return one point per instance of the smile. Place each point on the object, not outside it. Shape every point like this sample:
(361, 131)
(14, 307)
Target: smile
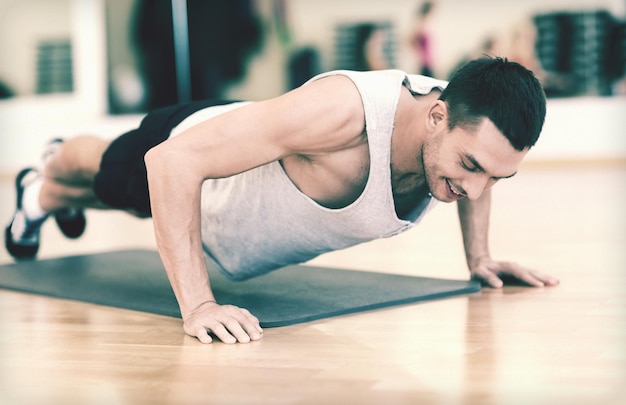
(452, 192)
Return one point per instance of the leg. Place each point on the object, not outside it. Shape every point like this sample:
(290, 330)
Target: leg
(63, 187)
(69, 171)
(56, 196)
(76, 161)
(88, 172)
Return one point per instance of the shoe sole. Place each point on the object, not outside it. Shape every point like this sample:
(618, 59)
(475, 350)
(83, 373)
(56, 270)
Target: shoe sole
(19, 251)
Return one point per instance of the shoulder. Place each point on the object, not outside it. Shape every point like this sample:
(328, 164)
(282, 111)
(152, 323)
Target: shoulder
(362, 90)
(322, 116)
(332, 102)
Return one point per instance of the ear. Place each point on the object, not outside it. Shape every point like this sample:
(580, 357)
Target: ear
(437, 114)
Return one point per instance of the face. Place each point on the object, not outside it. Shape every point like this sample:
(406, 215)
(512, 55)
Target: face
(462, 163)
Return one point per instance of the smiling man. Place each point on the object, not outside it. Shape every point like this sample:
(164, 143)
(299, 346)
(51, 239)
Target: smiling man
(254, 186)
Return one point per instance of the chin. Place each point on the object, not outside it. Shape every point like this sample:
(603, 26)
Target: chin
(439, 193)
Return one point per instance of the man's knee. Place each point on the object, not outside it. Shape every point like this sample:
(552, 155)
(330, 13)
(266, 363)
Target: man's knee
(90, 150)
(76, 160)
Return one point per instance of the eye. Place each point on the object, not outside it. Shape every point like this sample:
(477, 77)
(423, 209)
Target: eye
(469, 168)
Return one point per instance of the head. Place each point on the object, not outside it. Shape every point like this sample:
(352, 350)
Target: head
(425, 8)
(504, 92)
(481, 128)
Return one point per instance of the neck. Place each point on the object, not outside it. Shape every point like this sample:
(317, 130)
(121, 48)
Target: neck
(410, 132)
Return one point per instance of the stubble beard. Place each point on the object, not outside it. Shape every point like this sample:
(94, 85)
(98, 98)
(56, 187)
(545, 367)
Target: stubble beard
(430, 170)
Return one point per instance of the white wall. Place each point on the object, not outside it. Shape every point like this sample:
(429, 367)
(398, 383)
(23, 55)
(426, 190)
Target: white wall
(583, 128)
(47, 19)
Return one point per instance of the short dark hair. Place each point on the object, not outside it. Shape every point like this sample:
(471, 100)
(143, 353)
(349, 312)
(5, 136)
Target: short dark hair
(505, 92)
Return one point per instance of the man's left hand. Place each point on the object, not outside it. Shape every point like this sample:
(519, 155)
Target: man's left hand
(491, 272)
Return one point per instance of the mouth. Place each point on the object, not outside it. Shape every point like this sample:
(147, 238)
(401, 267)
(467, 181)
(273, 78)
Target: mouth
(453, 192)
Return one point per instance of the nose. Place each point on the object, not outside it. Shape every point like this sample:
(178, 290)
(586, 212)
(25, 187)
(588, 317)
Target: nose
(475, 185)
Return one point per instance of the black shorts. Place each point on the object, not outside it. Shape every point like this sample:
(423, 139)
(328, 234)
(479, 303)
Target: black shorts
(122, 181)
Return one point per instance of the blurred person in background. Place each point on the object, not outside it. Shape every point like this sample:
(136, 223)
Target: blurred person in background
(370, 41)
(421, 39)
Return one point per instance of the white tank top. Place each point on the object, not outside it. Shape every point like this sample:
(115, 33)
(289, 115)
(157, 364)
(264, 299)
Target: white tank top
(259, 221)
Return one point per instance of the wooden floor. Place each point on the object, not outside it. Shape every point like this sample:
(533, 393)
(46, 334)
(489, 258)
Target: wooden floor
(563, 345)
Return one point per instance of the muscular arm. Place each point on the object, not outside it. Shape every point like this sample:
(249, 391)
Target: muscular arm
(474, 219)
(319, 118)
(175, 201)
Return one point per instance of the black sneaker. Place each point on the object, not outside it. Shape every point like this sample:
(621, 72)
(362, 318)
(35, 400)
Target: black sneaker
(71, 221)
(21, 236)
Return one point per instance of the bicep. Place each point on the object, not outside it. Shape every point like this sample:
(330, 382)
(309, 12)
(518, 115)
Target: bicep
(323, 116)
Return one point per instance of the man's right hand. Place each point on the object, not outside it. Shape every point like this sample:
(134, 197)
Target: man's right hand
(229, 323)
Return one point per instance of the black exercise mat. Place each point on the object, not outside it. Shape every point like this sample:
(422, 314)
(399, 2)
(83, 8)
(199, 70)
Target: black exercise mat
(135, 279)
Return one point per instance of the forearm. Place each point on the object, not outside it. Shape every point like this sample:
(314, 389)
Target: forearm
(474, 219)
(175, 204)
